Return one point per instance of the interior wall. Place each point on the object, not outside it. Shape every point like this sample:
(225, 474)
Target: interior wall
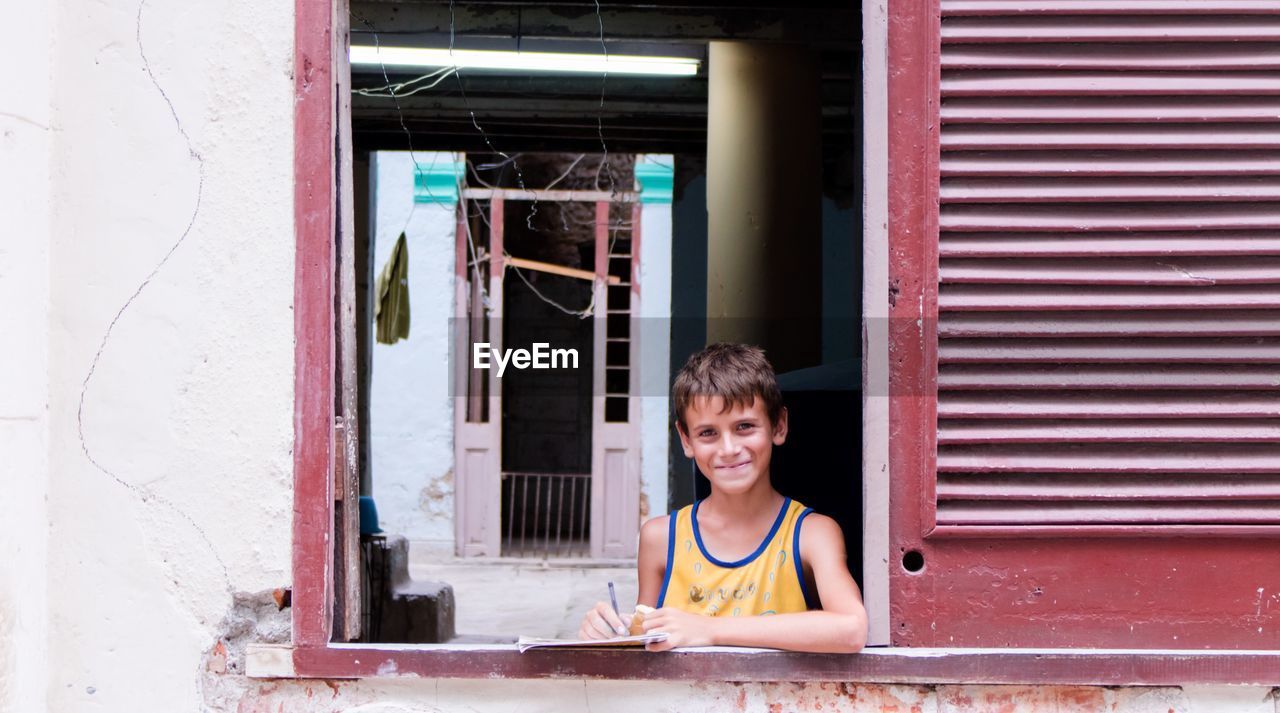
(656, 229)
(841, 278)
(841, 281)
(688, 301)
(410, 410)
(362, 196)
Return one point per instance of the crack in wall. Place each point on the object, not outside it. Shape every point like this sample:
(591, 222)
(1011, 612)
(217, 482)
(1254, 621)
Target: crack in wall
(144, 492)
(24, 120)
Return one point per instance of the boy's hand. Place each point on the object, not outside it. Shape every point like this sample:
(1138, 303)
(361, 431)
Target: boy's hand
(681, 627)
(601, 622)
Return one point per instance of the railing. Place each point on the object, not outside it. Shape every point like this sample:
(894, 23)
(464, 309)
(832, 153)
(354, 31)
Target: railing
(546, 515)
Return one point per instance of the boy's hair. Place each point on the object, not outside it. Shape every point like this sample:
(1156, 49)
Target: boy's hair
(738, 373)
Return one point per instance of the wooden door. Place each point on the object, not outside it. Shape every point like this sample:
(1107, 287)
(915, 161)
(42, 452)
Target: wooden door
(477, 411)
(615, 436)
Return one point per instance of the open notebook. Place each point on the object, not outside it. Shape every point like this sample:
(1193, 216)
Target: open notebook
(530, 642)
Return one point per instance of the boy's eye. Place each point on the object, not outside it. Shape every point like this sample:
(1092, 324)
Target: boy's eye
(745, 426)
(706, 433)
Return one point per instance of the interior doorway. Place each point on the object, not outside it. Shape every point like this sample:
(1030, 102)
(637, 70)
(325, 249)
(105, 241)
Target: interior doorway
(553, 451)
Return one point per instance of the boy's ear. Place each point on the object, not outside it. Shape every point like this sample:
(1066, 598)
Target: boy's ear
(780, 428)
(684, 439)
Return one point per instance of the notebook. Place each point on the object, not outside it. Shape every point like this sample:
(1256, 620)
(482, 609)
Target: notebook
(530, 642)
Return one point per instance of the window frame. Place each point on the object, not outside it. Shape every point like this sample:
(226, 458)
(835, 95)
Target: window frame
(314, 655)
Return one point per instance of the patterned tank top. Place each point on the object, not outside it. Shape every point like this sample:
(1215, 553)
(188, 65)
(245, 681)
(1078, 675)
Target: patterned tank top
(767, 581)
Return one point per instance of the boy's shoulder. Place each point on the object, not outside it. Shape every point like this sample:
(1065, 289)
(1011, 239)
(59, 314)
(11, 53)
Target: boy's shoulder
(654, 531)
(656, 523)
(820, 534)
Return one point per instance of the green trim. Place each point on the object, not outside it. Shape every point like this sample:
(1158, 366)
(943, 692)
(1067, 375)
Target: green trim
(657, 182)
(437, 182)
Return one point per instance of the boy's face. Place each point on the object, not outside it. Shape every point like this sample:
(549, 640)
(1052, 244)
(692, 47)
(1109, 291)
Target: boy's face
(731, 447)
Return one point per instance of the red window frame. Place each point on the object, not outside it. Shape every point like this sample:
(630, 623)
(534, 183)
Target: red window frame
(313, 654)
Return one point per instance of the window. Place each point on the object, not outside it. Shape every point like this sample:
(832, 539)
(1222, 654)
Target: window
(944, 576)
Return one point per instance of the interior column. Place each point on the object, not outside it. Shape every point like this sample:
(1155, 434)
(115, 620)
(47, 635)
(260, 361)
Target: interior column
(764, 200)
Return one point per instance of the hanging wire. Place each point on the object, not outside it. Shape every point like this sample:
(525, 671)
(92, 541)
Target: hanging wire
(604, 78)
(391, 89)
(567, 171)
(462, 90)
(475, 258)
(395, 98)
(397, 90)
(579, 313)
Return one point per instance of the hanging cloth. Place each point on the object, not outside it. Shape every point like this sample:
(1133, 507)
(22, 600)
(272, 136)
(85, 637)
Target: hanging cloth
(391, 309)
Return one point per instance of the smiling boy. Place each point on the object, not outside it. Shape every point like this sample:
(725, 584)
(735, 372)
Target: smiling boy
(737, 568)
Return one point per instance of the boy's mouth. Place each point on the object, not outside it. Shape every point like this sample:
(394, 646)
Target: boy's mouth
(734, 466)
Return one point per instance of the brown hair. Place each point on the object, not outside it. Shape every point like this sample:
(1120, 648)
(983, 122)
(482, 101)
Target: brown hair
(738, 373)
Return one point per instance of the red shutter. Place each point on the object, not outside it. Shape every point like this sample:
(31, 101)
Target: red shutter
(1101, 465)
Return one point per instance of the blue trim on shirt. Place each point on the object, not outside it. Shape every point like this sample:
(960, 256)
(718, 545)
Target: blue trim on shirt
(671, 556)
(795, 557)
(697, 535)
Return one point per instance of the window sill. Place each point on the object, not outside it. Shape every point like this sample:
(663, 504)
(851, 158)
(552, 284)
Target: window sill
(1100, 667)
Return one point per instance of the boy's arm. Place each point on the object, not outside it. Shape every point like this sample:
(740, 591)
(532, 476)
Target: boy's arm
(651, 562)
(841, 626)
(601, 622)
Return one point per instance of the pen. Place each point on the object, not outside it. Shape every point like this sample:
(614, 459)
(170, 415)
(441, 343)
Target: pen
(613, 599)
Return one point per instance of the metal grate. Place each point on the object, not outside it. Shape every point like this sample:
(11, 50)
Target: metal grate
(546, 515)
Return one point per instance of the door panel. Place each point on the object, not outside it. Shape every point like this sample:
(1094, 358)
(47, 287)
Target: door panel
(478, 396)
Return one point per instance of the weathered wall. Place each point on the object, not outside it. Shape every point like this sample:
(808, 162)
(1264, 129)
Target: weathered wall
(655, 348)
(26, 136)
(637, 697)
(170, 343)
(146, 389)
(410, 410)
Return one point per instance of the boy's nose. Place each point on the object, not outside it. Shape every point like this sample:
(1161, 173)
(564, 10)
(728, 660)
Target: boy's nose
(728, 444)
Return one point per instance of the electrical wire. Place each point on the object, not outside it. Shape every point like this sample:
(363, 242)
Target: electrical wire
(604, 79)
(462, 90)
(390, 90)
(396, 90)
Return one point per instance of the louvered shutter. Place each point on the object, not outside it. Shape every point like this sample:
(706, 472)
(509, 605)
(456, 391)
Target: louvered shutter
(1101, 465)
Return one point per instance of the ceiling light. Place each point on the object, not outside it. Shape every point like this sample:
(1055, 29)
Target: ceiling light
(523, 61)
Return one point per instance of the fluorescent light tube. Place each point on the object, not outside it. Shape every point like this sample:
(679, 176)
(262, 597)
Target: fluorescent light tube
(523, 61)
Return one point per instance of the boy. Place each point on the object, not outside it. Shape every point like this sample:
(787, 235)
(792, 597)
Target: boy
(737, 568)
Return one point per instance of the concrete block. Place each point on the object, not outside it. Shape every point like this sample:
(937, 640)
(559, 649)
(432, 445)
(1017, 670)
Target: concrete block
(411, 611)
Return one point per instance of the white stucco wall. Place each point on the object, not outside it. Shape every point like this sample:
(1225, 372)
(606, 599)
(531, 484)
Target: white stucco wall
(411, 412)
(170, 336)
(146, 401)
(26, 136)
(655, 350)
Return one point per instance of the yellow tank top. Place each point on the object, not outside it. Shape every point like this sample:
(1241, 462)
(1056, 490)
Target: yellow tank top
(768, 581)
